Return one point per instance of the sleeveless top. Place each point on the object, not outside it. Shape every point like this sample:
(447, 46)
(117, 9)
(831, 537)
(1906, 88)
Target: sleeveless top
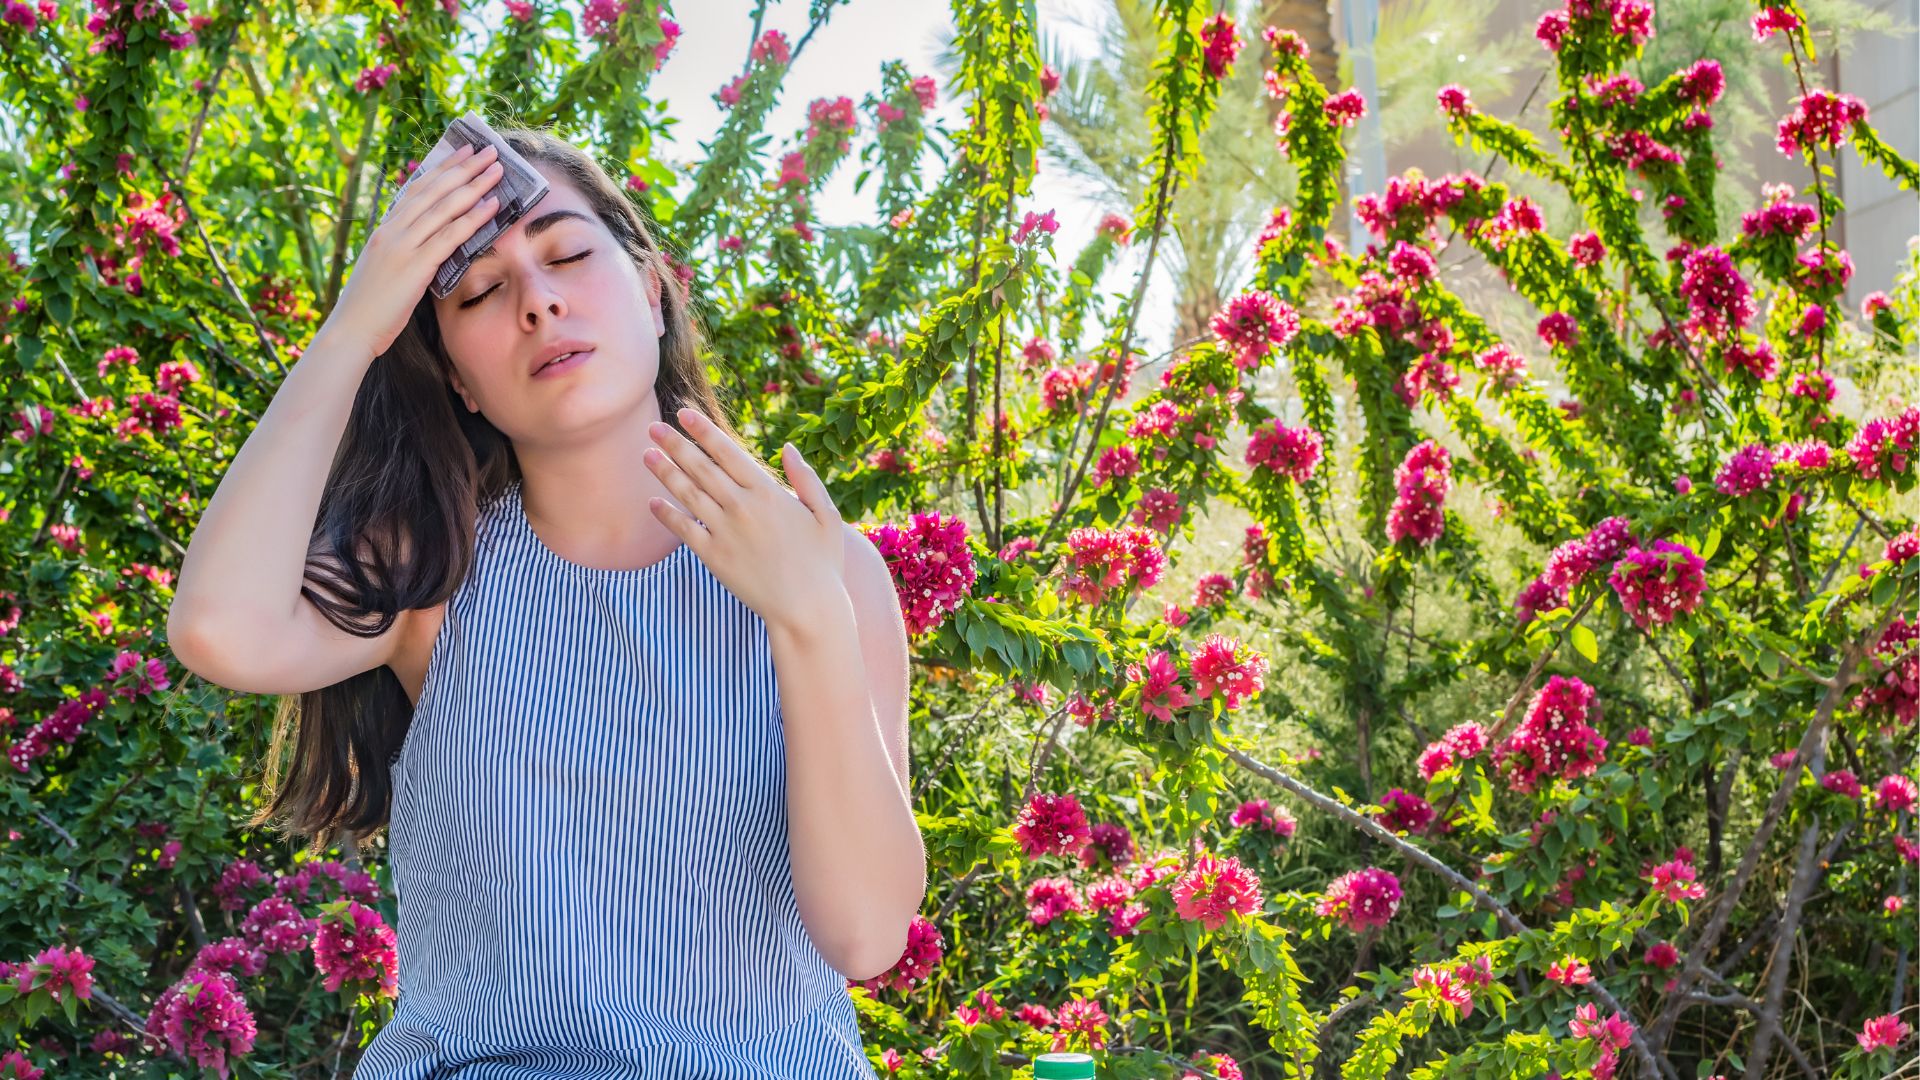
(588, 838)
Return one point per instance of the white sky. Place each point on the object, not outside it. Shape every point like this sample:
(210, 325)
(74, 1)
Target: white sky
(845, 58)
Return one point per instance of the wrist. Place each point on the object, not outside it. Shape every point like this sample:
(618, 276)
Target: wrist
(813, 613)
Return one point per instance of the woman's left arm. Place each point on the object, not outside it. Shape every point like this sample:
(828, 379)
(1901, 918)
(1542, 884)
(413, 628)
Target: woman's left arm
(859, 864)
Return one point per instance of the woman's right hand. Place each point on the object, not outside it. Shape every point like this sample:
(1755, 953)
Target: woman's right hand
(434, 216)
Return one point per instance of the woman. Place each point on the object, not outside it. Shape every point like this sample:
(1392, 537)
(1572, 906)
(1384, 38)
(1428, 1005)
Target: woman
(638, 734)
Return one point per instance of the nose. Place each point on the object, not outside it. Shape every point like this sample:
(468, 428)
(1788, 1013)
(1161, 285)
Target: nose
(542, 300)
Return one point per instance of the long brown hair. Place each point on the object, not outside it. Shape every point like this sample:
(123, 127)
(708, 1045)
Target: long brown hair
(412, 472)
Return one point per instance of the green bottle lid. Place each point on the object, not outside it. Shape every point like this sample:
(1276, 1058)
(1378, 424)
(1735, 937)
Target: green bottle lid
(1063, 1067)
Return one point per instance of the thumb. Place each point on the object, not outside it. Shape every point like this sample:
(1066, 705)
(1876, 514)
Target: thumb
(807, 483)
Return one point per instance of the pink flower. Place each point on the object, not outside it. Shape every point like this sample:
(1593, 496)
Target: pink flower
(207, 1026)
(1043, 223)
(1222, 666)
(1222, 44)
(1049, 898)
(1111, 839)
(1445, 988)
(1361, 899)
(1896, 793)
(15, 1065)
(1454, 100)
(926, 91)
(1345, 108)
(1559, 328)
(1212, 590)
(1257, 813)
(1720, 299)
(1570, 971)
(1052, 825)
(1882, 1033)
(1424, 479)
(1750, 469)
(1406, 812)
(1289, 452)
(1772, 19)
(1080, 1015)
(932, 566)
(1819, 118)
(1658, 583)
(772, 48)
(1613, 1034)
(1213, 889)
(1160, 689)
(1159, 510)
(57, 970)
(1554, 741)
(1841, 782)
(1218, 1064)
(1103, 560)
(1674, 881)
(1703, 83)
(1587, 249)
(276, 926)
(1663, 955)
(1506, 369)
(922, 955)
(1902, 547)
(357, 946)
(1462, 741)
(1115, 227)
(1253, 322)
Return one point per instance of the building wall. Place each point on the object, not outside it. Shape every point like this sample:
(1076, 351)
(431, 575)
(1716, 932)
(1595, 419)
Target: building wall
(1883, 71)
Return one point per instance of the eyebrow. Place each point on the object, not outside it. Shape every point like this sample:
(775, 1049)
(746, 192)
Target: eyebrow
(535, 228)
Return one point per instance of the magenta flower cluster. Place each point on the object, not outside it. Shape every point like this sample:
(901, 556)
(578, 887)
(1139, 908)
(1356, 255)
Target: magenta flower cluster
(1105, 560)
(932, 566)
(1554, 741)
(1362, 899)
(1052, 825)
(1290, 452)
(1424, 478)
(1251, 324)
(1461, 742)
(1657, 584)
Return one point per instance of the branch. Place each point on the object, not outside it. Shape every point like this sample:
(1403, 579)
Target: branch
(1482, 899)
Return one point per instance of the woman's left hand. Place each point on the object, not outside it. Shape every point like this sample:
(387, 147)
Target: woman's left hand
(777, 553)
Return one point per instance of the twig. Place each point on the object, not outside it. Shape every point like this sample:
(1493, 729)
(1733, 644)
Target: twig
(1482, 899)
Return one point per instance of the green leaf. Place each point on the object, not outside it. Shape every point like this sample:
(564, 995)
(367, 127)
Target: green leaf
(1584, 642)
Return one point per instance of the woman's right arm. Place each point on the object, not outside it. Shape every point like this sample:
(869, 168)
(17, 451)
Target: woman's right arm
(238, 617)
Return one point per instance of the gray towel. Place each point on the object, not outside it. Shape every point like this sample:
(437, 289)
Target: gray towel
(519, 187)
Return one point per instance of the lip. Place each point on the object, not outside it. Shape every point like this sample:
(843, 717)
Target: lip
(555, 349)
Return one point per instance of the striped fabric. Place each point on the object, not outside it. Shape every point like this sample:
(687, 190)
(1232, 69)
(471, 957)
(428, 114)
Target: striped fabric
(589, 836)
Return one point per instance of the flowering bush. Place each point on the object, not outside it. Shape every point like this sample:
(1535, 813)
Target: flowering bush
(1556, 678)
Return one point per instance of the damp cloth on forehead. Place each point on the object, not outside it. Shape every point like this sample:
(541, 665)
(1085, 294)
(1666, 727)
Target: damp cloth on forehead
(519, 188)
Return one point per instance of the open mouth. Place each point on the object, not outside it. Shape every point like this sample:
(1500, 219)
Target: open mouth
(563, 362)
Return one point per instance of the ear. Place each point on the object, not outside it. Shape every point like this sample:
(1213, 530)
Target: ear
(460, 388)
(652, 284)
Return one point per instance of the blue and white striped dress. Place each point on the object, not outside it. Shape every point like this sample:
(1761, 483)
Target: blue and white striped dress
(589, 836)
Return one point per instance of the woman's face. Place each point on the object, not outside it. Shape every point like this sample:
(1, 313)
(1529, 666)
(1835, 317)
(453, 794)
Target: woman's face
(558, 274)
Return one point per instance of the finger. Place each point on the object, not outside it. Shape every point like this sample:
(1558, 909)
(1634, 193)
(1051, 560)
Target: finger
(808, 485)
(726, 453)
(455, 174)
(711, 478)
(456, 203)
(455, 232)
(683, 525)
(690, 494)
(420, 186)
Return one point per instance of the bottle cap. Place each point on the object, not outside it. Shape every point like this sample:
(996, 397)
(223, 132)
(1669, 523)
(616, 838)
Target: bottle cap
(1063, 1067)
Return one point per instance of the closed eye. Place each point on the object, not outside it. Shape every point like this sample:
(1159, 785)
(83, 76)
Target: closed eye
(464, 304)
